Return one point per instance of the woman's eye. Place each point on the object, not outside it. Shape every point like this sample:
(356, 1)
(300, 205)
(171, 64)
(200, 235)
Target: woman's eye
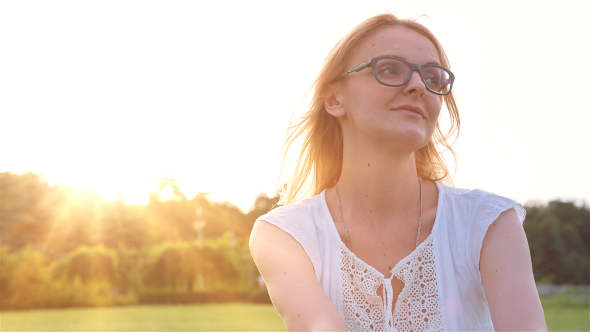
(432, 80)
(392, 70)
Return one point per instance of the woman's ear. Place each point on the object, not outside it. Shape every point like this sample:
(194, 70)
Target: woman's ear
(333, 102)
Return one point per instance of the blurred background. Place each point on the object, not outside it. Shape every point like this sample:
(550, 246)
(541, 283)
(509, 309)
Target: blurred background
(141, 139)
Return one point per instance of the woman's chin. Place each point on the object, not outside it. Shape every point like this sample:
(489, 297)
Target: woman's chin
(409, 136)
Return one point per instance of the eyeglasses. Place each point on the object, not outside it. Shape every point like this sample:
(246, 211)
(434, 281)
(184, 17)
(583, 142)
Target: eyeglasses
(396, 72)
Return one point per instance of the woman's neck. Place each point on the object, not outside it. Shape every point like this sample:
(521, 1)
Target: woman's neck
(378, 187)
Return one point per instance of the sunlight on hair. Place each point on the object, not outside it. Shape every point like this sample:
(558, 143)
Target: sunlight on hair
(319, 157)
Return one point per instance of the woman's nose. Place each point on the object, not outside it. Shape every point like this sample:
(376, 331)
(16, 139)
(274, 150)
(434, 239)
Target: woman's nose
(415, 84)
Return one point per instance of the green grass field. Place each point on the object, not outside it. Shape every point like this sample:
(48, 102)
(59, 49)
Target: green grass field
(212, 317)
(204, 317)
(562, 316)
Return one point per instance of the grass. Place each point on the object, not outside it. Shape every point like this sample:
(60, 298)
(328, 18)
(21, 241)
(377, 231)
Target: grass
(560, 316)
(567, 316)
(204, 317)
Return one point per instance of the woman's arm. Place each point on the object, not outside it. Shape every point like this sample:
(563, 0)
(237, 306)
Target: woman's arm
(291, 281)
(507, 277)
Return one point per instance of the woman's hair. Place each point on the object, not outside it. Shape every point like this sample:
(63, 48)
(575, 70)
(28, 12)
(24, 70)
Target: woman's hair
(319, 160)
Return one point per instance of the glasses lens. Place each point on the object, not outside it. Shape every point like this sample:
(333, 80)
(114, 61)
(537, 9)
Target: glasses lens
(391, 71)
(437, 79)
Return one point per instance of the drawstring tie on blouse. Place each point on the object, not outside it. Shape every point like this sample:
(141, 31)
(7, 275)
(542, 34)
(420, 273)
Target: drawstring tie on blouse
(388, 302)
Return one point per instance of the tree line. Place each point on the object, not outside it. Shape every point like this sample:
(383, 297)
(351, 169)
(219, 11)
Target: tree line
(65, 246)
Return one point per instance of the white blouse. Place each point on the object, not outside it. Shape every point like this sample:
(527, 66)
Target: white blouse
(442, 283)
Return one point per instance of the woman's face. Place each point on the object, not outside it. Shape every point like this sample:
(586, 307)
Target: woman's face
(387, 115)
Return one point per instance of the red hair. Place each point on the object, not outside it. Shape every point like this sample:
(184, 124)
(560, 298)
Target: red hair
(319, 161)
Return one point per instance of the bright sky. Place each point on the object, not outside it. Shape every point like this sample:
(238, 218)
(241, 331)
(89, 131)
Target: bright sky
(111, 95)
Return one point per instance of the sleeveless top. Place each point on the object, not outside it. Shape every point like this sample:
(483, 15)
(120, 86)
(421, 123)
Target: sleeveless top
(442, 282)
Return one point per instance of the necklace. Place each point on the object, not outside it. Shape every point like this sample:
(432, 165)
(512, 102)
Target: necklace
(346, 229)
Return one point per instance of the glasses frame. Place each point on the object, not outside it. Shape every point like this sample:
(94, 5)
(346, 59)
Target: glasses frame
(413, 67)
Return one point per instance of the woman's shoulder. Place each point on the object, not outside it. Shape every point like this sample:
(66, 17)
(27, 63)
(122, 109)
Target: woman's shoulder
(303, 209)
(475, 199)
(478, 205)
(306, 221)
(307, 215)
(467, 215)
(463, 193)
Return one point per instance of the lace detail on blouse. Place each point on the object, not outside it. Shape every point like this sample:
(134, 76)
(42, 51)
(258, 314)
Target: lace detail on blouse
(417, 307)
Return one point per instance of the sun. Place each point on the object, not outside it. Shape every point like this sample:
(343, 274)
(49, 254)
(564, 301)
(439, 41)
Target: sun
(111, 186)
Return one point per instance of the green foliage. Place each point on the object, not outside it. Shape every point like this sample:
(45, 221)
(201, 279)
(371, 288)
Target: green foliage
(88, 264)
(64, 246)
(95, 276)
(188, 266)
(23, 272)
(559, 240)
(58, 219)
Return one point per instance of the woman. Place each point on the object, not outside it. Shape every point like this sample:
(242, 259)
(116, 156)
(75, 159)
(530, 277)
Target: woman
(382, 244)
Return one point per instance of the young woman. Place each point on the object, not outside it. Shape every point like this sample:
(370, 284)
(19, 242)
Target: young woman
(380, 243)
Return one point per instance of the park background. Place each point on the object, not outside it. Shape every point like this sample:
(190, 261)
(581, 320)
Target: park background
(140, 140)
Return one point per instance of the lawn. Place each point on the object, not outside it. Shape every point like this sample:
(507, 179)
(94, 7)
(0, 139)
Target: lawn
(204, 317)
(212, 317)
(571, 316)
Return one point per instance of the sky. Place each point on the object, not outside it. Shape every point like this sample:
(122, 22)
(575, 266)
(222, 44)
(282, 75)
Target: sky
(110, 95)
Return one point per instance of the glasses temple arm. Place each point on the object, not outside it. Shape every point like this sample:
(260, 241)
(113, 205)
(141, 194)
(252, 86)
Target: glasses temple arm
(357, 68)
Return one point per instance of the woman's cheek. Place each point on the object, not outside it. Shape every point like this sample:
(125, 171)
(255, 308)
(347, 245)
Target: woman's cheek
(435, 107)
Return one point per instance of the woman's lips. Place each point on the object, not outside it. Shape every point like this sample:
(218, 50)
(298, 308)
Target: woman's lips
(409, 113)
(410, 110)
